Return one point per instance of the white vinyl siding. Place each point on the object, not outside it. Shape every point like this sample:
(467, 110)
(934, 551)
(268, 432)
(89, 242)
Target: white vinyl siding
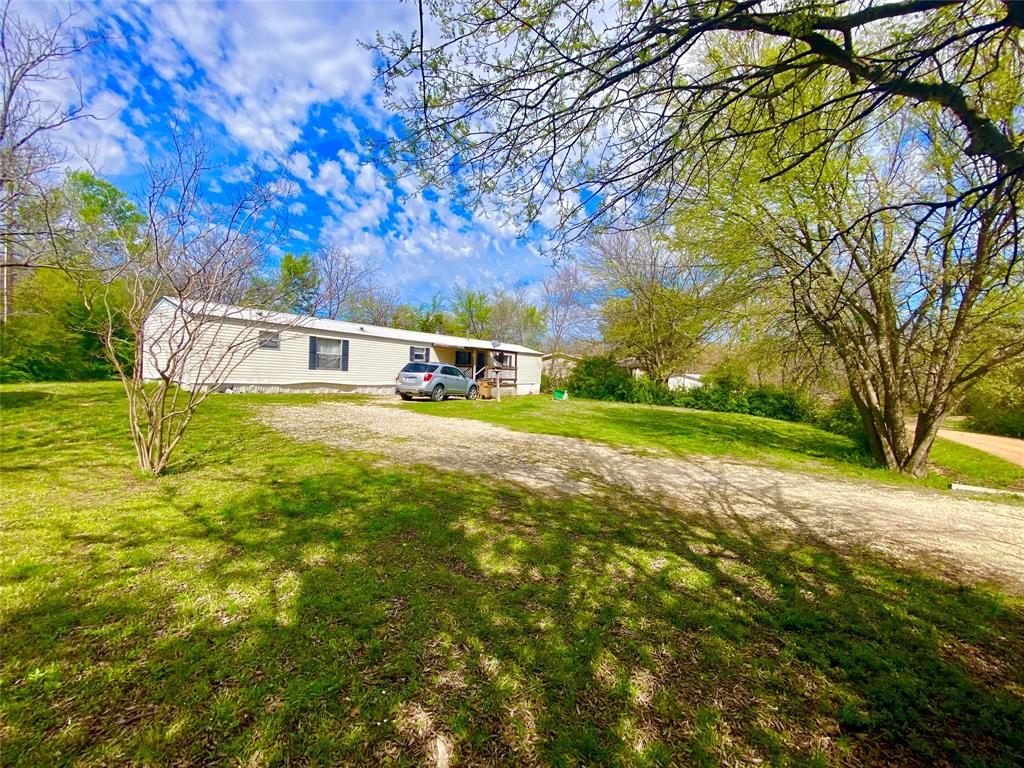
(155, 330)
(373, 362)
(528, 374)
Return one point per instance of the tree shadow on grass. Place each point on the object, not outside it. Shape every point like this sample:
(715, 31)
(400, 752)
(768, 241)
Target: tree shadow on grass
(22, 398)
(662, 426)
(358, 614)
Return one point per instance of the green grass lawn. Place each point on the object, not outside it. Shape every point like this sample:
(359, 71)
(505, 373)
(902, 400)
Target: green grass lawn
(270, 603)
(682, 431)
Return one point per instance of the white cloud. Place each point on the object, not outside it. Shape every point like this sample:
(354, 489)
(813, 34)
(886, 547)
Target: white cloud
(370, 181)
(105, 143)
(349, 159)
(329, 179)
(346, 124)
(298, 164)
(262, 66)
(254, 73)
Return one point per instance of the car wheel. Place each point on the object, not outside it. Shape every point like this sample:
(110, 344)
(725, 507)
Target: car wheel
(405, 396)
(472, 394)
(438, 393)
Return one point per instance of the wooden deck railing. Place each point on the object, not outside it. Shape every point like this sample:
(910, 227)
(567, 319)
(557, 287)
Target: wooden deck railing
(506, 374)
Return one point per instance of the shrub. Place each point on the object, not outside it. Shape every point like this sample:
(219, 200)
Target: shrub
(647, 391)
(843, 418)
(728, 375)
(726, 395)
(997, 419)
(996, 404)
(726, 390)
(779, 403)
(600, 378)
(713, 397)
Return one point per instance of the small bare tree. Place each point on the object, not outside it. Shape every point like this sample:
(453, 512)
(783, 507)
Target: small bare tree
(180, 280)
(381, 305)
(343, 280)
(32, 58)
(568, 306)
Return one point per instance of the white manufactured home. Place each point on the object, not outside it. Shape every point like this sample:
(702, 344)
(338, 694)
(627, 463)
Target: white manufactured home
(241, 349)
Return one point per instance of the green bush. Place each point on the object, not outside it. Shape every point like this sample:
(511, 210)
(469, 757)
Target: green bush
(780, 403)
(726, 389)
(843, 418)
(600, 378)
(647, 391)
(713, 397)
(996, 405)
(728, 375)
(51, 334)
(728, 396)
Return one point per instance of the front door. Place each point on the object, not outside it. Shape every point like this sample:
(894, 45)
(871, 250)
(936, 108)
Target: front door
(481, 361)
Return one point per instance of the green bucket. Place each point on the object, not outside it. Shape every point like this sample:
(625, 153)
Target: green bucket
(560, 394)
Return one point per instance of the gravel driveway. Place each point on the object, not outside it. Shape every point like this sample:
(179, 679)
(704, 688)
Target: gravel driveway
(982, 540)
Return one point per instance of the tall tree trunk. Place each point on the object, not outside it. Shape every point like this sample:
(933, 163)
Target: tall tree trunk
(882, 410)
(924, 436)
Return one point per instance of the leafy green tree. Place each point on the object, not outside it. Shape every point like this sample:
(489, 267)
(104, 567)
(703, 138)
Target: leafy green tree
(471, 312)
(600, 378)
(916, 306)
(381, 306)
(515, 319)
(56, 334)
(298, 284)
(608, 114)
(53, 336)
(531, 326)
(996, 405)
(660, 306)
(432, 316)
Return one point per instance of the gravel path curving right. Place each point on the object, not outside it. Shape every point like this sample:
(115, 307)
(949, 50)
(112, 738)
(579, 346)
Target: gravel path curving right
(979, 540)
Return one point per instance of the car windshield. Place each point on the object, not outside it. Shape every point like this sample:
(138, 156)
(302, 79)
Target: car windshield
(417, 368)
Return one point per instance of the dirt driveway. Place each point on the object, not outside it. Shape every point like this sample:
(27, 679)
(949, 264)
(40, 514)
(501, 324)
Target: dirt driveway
(978, 538)
(1008, 448)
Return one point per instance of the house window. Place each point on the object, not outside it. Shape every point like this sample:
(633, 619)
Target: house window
(463, 357)
(328, 354)
(270, 340)
(419, 354)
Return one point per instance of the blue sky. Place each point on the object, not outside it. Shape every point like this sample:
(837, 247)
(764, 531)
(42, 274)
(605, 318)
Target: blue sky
(286, 88)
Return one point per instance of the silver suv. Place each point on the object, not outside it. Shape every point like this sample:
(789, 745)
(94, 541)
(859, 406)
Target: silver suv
(434, 380)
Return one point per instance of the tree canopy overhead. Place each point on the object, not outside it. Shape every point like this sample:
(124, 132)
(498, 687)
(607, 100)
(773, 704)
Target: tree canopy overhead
(588, 114)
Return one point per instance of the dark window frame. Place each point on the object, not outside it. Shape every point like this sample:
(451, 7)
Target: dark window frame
(269, 340)
(316, 357)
